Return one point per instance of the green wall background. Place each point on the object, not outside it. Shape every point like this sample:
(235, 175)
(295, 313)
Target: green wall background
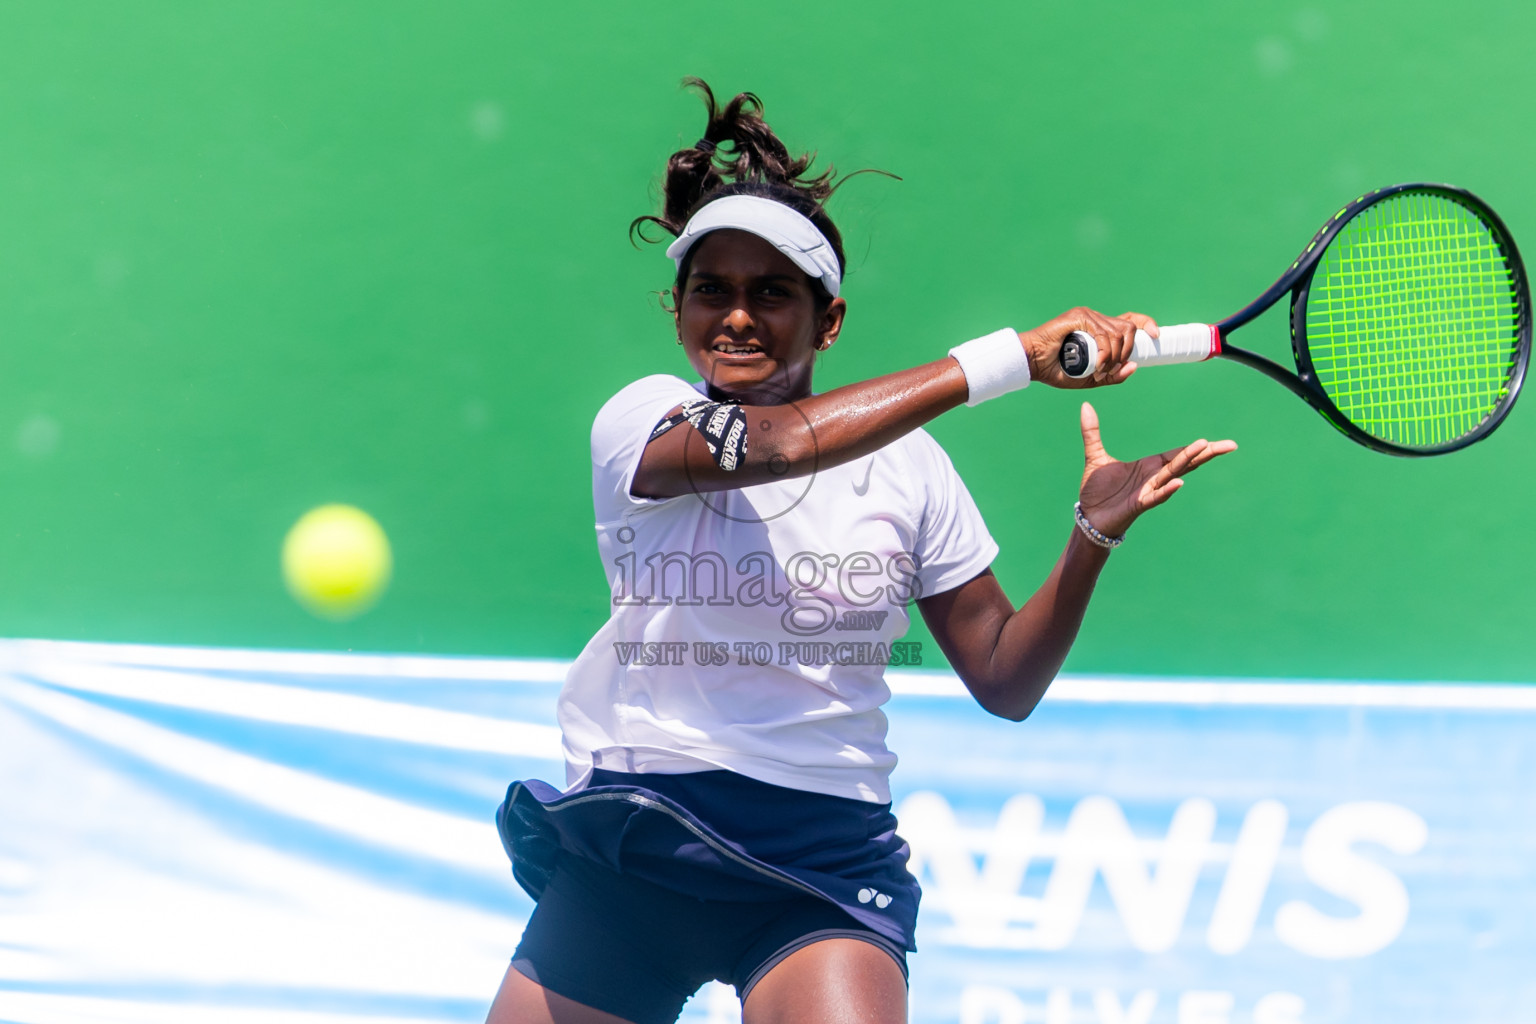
(256, 257)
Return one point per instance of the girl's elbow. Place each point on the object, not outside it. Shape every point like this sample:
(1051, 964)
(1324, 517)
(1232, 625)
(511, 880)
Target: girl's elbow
(1002, 702)
(1013, 713)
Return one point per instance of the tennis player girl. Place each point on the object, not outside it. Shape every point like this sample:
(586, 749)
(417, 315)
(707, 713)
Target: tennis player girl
(727, 814)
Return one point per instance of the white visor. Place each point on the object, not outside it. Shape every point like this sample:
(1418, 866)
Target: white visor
(788, 231)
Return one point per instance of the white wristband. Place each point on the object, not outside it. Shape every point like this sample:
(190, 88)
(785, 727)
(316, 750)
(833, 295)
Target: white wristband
(994, 364)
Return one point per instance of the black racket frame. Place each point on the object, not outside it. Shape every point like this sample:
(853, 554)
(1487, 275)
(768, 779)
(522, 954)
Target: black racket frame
(1298, 280)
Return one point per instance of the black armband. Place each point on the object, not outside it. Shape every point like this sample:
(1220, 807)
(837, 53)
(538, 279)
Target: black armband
(723, 426)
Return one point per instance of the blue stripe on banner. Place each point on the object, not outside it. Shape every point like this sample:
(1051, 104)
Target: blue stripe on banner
(221, 835)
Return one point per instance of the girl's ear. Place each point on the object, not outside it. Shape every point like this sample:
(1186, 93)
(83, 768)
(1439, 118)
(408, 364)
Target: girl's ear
(675, 307)
(831, 324)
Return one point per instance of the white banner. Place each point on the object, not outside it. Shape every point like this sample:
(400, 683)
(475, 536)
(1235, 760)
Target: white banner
(216, 835)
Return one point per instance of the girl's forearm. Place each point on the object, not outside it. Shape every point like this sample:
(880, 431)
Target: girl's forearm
(1034, 641)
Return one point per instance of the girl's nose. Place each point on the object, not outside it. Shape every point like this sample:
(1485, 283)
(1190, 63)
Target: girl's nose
(739, 320)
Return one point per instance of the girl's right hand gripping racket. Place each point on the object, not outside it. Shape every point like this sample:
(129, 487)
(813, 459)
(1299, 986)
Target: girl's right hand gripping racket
(1410, 322)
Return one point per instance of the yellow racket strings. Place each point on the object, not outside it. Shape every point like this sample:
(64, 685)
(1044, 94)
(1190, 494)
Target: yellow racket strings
(1412, 320)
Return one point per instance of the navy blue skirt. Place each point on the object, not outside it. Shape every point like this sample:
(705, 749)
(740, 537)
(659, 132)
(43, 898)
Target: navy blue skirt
(718, 835)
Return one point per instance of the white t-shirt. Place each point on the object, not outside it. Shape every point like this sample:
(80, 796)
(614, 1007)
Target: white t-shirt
(751, 628)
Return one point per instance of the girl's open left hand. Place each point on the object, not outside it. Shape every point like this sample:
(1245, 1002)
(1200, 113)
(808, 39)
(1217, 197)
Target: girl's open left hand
(1114, 493)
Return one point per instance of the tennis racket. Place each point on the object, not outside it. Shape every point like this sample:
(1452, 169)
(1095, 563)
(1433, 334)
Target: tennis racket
(1410, 322)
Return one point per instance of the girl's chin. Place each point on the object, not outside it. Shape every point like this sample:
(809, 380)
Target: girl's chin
(760, 381)
(731, 373)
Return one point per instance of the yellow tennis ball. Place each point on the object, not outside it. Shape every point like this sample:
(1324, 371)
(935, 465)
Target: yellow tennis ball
(336, 561)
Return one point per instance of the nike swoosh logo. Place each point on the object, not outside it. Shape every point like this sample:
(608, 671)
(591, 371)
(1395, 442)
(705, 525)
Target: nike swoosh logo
(860, 489)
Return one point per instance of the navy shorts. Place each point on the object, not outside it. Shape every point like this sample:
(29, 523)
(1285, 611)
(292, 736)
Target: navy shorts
(648, 886)
(638, 950)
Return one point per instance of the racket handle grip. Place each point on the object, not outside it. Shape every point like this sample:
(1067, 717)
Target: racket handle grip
(1178, 343)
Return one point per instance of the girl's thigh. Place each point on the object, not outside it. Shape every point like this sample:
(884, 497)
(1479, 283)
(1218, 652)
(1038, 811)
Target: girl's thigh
(834, 981)
(521, 1000)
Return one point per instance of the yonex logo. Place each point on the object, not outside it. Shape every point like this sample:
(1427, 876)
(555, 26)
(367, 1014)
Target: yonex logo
(881, 899)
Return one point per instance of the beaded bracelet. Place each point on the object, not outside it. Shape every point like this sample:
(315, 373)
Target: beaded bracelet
(1101, 539)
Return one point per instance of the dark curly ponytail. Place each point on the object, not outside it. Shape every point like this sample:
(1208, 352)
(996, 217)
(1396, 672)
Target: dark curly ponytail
(756, 163)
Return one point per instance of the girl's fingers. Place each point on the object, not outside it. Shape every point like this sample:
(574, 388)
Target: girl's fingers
(1212, 451)
(1142, 321)
(1164, 492)
(1125, 340)
(1121, 375)
(1176, 462)
(1092, 444)
(1110, 333)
